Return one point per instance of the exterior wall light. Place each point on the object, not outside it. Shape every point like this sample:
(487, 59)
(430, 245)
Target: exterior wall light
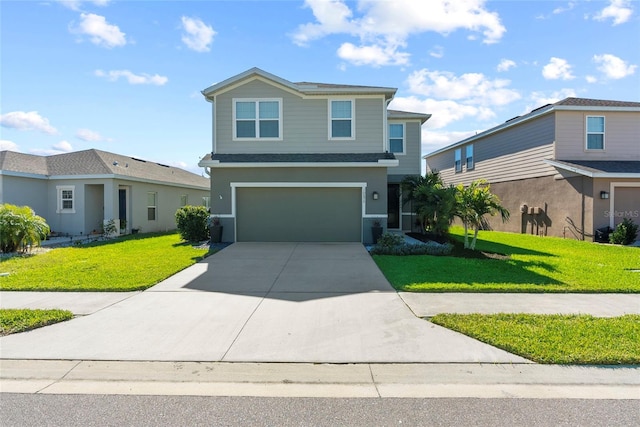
(604, 194)
(375, 195)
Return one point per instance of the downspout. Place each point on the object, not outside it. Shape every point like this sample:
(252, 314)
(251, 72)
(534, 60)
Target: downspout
(583, 207)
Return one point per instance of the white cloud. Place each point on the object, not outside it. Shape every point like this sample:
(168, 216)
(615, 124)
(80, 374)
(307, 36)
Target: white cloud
(614, 67)
(557, 68)
(444, 112)
(505, 65)
(31, 120)
(372, 55)
(76, 4)
(100, 32)
(541, 98)
(591, 79)
(63, 146)
(198, 35)
(618, 10)
(89, 135)
(474, 88)
(134, 79)
(437, 52)
(432, 141)
(6, 145)
(386, 25)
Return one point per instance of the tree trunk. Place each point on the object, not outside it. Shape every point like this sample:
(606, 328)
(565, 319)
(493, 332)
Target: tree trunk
(475, 237)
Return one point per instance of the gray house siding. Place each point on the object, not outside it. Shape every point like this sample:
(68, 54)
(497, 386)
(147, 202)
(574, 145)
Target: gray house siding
(410, 163)
(305, 123)
(22, 191)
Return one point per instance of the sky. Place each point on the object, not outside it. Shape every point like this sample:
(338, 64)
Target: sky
(127, 76)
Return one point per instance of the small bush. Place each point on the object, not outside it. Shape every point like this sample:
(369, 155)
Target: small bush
(625, 233)
(20, 228)
(390, 240)
(413, 249)
(192, 223)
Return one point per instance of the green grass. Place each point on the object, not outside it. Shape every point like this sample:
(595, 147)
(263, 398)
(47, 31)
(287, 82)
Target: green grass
(532, 264)
(554, 339)
(19, 320)
(130, 263)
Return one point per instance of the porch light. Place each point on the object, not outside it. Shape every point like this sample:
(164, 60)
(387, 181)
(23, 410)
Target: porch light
(375, 195)
(604, 194)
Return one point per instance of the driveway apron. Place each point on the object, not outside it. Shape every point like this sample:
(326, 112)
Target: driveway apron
(260, 302)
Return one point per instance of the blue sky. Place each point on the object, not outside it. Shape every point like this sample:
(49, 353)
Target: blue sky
(126, 76)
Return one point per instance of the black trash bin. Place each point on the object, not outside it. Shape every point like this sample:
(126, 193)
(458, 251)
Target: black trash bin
(602, 234)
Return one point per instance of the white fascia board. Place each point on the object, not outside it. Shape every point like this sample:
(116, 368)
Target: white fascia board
(280, 184)
(595, 109)
(127, 178)
(23, 174)
(379, 163)
(591, 174)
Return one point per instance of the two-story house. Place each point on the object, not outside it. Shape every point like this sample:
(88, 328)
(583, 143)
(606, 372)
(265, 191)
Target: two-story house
(565, 169)
(308, 161)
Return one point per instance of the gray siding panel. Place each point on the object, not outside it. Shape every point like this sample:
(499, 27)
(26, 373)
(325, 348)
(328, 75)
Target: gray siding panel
(305, 123)
(409, 163)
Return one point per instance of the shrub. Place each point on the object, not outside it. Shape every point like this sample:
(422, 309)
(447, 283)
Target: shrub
(192, 223)
(394, 244)
(625, 233)
(20, 228)
(390, 240)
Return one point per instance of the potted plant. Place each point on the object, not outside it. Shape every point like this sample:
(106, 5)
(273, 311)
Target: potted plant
(215, 229)
(376, 231)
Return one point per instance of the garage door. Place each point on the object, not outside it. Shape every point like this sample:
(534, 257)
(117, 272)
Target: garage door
(298, 214)
(626, 204)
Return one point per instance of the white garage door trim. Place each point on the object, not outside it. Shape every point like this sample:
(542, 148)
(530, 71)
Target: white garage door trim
(612, 192)
(236, 185)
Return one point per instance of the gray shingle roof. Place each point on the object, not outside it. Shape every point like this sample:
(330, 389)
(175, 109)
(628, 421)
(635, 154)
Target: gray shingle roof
(603, 166)
(397, 114)
(97, 162)
(302, 158)
(586, 102)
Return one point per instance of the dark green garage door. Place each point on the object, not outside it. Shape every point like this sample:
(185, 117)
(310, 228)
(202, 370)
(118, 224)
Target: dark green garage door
(299, 214)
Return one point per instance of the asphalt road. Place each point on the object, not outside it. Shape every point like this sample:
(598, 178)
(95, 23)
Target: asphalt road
(113, 410)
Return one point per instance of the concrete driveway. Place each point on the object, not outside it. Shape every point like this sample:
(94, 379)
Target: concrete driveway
(260, 302)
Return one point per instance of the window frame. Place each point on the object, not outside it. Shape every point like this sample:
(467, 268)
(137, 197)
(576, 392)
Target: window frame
(154, 206)
(404, 138)
(184, 200)
(206, 202)
(587, 133)
(60, 189)
(467, 157)
(352, 119)
(257, 102)
(457, 160)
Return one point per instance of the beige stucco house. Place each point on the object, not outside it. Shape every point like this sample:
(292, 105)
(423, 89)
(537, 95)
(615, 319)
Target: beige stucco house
(77, 192)
(565, 169)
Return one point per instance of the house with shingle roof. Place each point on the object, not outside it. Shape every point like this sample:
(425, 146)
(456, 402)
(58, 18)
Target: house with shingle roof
(77, 192)
(567, 169)
(308, 161)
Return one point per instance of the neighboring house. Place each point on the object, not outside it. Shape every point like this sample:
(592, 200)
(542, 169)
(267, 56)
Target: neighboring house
(565, 169)
(308, 161)
(77, 192)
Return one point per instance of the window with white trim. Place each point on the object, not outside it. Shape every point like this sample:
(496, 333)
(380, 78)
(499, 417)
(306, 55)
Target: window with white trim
(66, 199)
(152, 205)
(458, 160)
(595, 133)
(257, 119)
(341, 119)
(396, 138)
(469, 157)
(184, 199)
(206, 202)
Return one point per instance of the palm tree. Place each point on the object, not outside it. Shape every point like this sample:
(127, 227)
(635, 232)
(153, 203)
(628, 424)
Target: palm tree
(20, 227)
(433, 202)
(473, 203)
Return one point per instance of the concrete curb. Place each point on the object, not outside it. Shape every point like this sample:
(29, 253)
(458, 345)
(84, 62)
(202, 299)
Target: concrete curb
(320, 380)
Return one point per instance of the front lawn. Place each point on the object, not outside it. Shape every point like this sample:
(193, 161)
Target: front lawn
(129, 263)
(19, 320)
(557, 339)
(519, 263)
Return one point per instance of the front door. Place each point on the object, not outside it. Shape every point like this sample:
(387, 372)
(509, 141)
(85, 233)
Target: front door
(393, 206)
(122, 208)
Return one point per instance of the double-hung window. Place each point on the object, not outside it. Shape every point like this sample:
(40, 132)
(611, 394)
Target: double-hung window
(396, 138)
(257, 119)
(152, 205)
(341, 121)
(595, 133)
(458, 160)
(66, 200)
(469, 157)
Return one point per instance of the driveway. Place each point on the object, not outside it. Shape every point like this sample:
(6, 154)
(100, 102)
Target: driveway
(260, 302)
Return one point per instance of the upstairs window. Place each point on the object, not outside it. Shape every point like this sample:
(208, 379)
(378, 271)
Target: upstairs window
(341, 119)
(595, 133)
(257, 119)
(396, 138)
(152, 205)
(469, 157)
(458, 160)
(66, 201)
